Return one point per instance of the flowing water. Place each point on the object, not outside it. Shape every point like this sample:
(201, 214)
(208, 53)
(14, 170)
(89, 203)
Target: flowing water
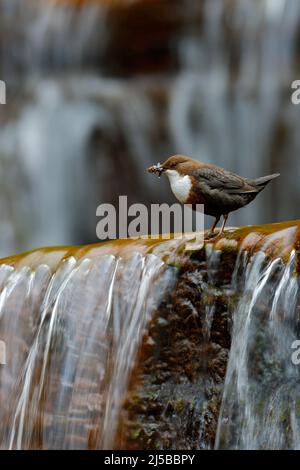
(260, 408)
(73, 322)
(71, 338)
(69, 120)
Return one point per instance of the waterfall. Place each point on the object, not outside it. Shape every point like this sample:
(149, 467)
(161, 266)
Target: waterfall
(50, 36)
(81, 124)
(260, 408)
(51, 145)
(72, 326)
(71, 117)
(230, 101)
(219, 327)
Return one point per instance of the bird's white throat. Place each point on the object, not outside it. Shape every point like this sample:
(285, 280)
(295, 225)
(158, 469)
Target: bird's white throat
(180, 185)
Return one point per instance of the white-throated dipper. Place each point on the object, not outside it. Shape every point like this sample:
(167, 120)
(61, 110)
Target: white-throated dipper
(221, 191)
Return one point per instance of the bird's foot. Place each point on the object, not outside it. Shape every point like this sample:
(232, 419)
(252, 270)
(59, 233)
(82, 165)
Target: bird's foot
(212, 236)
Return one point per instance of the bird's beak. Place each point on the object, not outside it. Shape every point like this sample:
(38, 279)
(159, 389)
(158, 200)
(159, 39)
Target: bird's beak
(157, 169)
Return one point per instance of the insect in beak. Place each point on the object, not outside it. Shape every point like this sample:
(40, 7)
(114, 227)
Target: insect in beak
(157, 169)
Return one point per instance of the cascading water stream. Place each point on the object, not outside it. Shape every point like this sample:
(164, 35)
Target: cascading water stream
(72, 337)
(260, 408)
(228, 103)
(75, 322)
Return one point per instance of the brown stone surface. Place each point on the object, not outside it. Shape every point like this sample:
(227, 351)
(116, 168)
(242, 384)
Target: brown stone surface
(175, 392)
(176, 388)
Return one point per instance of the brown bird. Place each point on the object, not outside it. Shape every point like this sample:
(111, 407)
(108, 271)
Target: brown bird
(221, 191)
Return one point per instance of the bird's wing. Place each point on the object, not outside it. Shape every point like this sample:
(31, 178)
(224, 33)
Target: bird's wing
(223, 180)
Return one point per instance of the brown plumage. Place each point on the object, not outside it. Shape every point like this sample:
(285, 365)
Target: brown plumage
(220, 191)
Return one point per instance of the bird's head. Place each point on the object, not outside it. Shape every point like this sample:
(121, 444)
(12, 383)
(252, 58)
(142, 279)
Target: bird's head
(179, 163)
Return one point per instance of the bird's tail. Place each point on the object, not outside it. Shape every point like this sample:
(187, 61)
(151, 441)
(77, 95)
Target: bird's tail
(260, 183)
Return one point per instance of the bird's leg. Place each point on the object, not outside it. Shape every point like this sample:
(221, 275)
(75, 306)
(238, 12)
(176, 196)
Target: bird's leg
(212, 230)
(212, 235)
(224, 223)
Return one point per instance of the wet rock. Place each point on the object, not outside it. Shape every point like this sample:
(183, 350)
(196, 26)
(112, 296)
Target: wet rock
(180, 373)
(128, 343)
(176, 390)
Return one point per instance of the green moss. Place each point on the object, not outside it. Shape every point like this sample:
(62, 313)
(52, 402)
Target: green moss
(175, 405)
(135, 433)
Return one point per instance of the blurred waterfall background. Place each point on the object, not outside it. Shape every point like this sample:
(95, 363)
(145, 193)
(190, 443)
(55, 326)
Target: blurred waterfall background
(99, 90)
